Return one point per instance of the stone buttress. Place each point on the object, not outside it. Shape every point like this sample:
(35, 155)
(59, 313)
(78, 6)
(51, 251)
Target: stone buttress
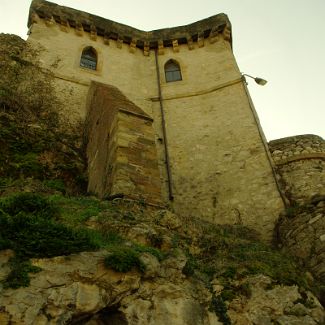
(121, 151)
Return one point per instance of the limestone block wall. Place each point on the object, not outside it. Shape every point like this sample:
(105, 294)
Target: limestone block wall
(300, 162)
(206, 70)
(218, 162)
(135, 169)
(219, 166)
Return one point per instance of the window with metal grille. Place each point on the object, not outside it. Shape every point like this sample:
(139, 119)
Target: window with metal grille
(172, 71)
(89, 58)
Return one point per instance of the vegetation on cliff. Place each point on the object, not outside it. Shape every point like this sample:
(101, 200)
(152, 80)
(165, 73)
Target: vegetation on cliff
(29, 227)
(35, 140)
(42, 225)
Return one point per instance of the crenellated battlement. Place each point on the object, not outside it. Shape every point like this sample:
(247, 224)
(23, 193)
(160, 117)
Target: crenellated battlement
(307, 146)
(300, 163)
(194, 35)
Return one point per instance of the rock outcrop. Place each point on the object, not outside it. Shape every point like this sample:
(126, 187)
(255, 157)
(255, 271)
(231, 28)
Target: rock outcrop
(78, 289)
(302, 233)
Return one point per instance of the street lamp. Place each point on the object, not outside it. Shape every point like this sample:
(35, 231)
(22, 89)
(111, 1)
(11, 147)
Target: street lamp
(259, 81)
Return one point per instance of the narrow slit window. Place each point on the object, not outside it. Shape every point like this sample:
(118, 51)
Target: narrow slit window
(172, 71)
(89, 58)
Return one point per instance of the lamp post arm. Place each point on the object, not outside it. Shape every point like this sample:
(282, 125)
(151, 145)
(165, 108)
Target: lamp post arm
(258, 80)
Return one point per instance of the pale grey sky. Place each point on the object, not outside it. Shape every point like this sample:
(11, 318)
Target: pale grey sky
(282, 41)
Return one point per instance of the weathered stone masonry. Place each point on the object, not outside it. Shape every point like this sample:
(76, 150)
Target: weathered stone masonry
(218, 163)
(121, 147)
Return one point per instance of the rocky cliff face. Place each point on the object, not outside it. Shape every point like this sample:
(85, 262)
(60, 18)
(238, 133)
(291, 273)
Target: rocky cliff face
(180, 289)
(302, 233)
(79, 290)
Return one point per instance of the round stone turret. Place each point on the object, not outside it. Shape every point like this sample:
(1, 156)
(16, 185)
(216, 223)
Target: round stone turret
(300, 163)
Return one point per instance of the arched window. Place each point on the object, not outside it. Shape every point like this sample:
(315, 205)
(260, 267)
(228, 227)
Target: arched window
(172, 71)
(89, 58)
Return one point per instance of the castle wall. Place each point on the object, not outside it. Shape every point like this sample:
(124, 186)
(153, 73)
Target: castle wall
(300, 162)
(218, 162)
(133, 73)
(219, 167)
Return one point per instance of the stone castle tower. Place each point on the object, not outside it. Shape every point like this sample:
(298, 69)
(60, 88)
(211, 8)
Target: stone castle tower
(168, 116)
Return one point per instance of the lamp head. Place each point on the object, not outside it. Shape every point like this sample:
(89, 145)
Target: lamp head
(260, 81)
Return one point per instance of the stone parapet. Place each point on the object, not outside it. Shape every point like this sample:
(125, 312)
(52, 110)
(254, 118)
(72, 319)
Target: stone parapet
(300, 164)
(209, 29)
(298, 147)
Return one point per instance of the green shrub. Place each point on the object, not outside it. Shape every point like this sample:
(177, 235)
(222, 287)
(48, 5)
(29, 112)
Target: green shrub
(4, 243)
(228, 294)
(190, 266)
(230, 272)
(123, 259)
(111, 238)
(28, 203)
(27, 165)
(175, 240)
(18, 277)
(32, 236)
(76, 210)
(28, 226)
(219, 307)
(55, 184)
(147, 249)
(5, 182)
(209, 270)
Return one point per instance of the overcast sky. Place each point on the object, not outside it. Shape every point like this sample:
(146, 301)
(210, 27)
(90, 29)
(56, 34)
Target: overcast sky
(282, 41)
